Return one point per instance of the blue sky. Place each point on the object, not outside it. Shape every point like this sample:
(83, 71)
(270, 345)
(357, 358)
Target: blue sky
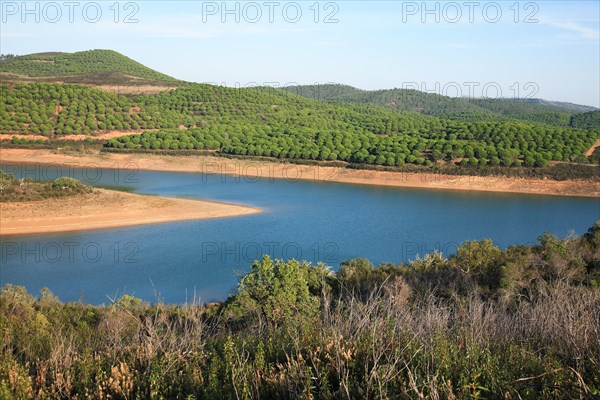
(549, 49)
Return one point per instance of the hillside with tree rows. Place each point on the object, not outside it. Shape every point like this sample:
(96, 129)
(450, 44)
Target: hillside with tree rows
(54, 109)
(268, 122)
(274, 123)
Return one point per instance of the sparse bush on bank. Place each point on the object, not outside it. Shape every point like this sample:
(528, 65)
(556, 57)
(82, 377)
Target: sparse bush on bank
(485, 323)
(14, 190)
(66, 183)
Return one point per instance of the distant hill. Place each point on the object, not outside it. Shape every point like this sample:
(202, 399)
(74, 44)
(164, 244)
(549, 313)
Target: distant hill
(460, 109)
(561, 105)
(86, 67)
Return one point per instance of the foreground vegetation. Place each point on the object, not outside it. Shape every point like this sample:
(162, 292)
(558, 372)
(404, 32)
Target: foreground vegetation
(520, 323)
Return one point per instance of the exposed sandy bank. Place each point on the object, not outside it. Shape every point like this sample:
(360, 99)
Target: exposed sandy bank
(106, 209)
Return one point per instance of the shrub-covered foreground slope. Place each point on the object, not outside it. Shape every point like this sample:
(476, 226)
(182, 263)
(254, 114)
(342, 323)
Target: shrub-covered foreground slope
(520, 323)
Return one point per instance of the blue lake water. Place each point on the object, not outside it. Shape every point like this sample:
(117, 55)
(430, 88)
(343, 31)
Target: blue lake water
(315, 221)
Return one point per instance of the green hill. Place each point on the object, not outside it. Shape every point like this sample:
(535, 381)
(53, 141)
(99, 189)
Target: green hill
(266, 122)
(344, 124)
(273, 123)
(460, 109)
(88, 67)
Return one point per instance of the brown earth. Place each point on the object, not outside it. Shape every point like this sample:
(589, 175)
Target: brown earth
(593, 148)
(258, 170)
(106, 209)
(125, 85)
(105, 135)
(133, 89)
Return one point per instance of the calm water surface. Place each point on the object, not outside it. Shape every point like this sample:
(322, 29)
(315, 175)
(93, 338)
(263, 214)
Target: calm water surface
(308, 220)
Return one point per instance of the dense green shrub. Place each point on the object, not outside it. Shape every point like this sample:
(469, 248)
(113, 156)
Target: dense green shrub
(66, 183)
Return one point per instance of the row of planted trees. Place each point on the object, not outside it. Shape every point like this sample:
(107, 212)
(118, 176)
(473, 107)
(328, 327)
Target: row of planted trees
(394, 150)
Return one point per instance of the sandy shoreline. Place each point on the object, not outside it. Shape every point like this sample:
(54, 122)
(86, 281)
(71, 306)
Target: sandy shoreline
(106, 209)
(249, 170)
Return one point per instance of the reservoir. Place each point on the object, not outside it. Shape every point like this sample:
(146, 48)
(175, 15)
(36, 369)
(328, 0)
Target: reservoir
(309, 220)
